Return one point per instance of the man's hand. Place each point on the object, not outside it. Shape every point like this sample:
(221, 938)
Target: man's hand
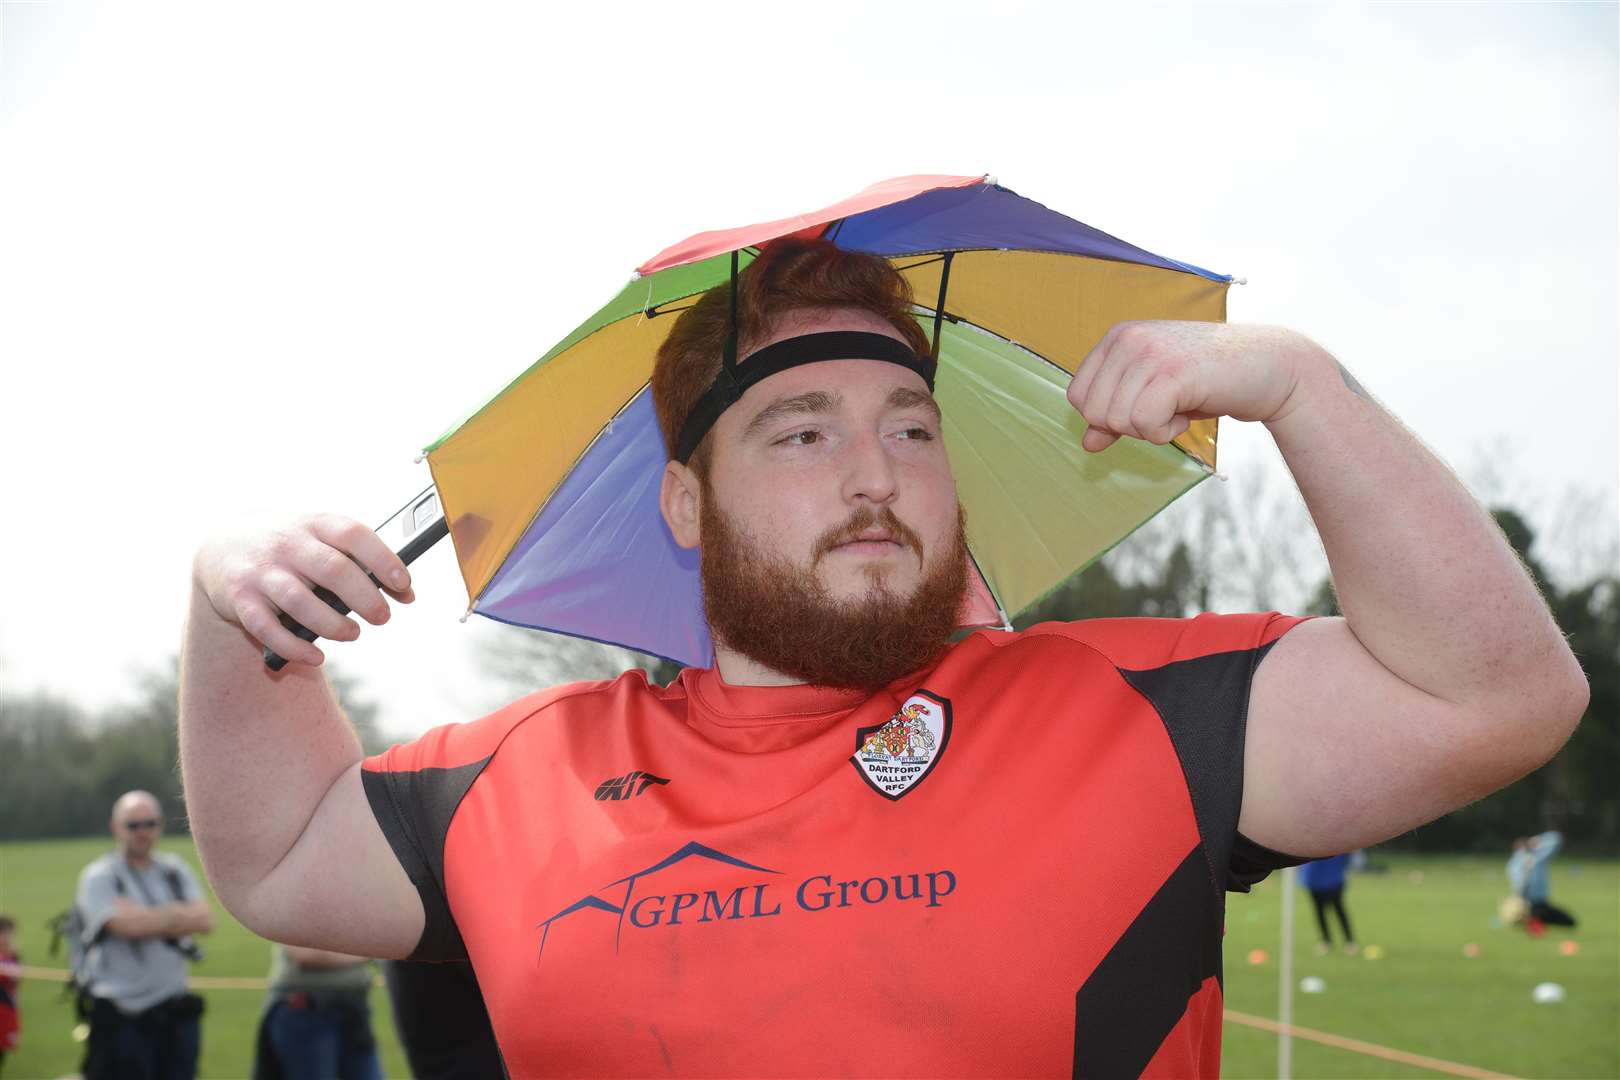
(1149, 380)
(272, 766)
(249, 582)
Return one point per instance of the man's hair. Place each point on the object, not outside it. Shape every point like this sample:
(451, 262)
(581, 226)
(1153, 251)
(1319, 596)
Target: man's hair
(791, 274)
(7, 923)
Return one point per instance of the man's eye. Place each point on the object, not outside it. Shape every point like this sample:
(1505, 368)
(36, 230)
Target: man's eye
(801, 438)
(920, 434)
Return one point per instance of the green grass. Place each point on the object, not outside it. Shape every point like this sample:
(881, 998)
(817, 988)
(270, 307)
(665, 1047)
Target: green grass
(37, 880)
(1422, 997)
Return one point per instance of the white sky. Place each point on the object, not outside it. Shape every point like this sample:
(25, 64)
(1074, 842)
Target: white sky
(253, 256)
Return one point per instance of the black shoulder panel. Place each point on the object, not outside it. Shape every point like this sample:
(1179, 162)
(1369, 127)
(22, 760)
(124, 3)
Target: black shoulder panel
(414, 810)
(1251, 862)
(1140, 990)
(1204, 703)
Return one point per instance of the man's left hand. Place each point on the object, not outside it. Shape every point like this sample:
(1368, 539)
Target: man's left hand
(1149, 380)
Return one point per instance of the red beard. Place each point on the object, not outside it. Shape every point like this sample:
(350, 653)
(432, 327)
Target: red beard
(783, 617)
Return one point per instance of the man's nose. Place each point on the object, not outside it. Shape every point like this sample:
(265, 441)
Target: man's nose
(869, 470)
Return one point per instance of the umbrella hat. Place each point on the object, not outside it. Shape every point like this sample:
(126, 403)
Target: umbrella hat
(551, 487)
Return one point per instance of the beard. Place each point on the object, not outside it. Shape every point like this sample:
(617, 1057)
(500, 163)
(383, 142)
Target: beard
(782, 616)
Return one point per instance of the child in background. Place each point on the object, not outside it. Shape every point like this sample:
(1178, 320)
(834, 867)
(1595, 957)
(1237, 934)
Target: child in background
(1527, 872)
(10, 973)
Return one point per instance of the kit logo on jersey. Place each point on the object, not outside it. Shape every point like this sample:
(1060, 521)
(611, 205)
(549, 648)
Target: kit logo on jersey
(628, 786)
(896, 755)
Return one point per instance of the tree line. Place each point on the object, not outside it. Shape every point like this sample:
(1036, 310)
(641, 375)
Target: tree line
(62, 766)
(1577, 792)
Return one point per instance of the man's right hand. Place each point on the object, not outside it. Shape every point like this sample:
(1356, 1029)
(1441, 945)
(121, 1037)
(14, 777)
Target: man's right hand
(250, 581)
(272, 767)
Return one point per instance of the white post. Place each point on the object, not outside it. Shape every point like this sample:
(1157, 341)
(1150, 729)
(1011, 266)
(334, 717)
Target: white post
(1285, 979)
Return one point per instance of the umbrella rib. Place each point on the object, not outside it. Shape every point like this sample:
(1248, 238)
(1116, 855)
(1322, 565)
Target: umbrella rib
(1001, 609)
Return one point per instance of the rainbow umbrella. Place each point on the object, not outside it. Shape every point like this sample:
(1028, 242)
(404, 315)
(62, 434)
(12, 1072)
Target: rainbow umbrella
(551, 488)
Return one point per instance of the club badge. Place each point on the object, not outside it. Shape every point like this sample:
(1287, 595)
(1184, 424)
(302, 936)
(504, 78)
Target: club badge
(894, 756)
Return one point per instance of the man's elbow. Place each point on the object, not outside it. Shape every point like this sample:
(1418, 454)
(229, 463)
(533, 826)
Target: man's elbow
(1572, 697)
(1538, 723)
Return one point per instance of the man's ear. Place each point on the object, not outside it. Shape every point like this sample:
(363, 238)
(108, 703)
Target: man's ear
(680, 500)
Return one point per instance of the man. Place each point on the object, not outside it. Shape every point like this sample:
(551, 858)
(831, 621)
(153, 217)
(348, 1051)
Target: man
(852, 848)
(317, 1018)
(139, 909)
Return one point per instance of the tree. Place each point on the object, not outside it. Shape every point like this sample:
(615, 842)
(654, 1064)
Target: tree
(523, 660)
(1578, 791)
(62, 768)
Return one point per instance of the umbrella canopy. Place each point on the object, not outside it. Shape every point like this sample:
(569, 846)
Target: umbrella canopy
(551, 488)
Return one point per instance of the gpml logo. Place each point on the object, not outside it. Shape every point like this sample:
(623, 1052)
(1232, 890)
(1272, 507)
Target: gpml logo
(645, 908)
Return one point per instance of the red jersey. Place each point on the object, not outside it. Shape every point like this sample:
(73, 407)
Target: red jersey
(1013, 862)
(10, 1004)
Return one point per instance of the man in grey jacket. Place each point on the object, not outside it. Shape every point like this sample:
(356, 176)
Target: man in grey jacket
(139, 909)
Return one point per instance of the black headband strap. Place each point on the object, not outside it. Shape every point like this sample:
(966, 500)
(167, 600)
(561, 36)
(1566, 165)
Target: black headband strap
(732, 382)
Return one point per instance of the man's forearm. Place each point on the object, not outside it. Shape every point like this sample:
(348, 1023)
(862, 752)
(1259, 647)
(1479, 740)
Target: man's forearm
(1425, 579)
(258, 751)
(164, 920)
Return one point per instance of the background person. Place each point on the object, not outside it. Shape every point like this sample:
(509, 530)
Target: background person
(1325, 880)
(10, 1003)
(317, 1018)
(1527, 873)
(140, 908)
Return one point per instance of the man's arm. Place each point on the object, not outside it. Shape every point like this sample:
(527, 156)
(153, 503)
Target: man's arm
(322, 958)
(172, 920)
(270, 763)
(1447, 677)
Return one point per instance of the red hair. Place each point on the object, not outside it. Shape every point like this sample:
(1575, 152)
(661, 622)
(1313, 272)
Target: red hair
(791, 274)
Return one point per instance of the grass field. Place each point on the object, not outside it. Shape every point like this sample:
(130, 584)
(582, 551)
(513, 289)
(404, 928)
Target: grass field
(37, 881)
(1422, 996)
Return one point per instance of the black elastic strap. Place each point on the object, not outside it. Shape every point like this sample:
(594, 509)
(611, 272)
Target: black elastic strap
(729, 385)
(939, 308)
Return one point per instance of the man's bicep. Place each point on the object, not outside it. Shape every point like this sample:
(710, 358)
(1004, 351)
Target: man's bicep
(341, 887)
(1340, 753)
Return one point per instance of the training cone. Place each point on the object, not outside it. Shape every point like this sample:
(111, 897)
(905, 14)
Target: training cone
(1258, 956)
(1312, 984)
(1470, 950)
(1568, 948)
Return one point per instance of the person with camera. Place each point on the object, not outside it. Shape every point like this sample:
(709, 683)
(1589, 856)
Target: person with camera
(140, 908)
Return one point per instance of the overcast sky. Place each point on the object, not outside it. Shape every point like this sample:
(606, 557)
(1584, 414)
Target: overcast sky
(254, 256)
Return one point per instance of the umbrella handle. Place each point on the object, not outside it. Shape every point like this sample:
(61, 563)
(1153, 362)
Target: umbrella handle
(407, 555)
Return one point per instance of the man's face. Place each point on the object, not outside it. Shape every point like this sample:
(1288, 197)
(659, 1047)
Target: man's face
(136, 825)
(831, 535)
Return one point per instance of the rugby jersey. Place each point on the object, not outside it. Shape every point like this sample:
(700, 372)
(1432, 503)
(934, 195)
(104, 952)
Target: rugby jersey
(1013, 862)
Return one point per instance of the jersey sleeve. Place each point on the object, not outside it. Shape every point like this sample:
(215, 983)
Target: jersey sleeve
(1196, 673)
(414, 789)
(98, 889)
